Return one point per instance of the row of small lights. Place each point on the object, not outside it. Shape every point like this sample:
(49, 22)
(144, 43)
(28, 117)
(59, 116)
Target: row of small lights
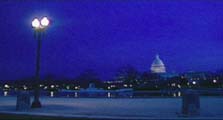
(125, 85)
(51, 86)
(194, 82)
(112, 86)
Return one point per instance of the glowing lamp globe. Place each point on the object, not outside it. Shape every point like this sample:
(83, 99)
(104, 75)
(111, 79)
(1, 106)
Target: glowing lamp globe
(45, 22)
(36, 23)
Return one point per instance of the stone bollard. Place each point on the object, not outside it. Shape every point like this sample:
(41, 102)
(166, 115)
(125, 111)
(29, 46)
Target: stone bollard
(23, 101)
(190, 103)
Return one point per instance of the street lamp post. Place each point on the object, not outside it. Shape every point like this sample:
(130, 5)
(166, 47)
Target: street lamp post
(39, 27)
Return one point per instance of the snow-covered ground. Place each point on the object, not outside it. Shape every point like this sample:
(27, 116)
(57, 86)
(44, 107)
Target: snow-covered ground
(115, 108)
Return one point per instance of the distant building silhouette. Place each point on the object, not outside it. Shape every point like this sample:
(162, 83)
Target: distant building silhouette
(158, 66)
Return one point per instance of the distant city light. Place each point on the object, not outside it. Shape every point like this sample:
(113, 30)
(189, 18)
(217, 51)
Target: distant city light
(109, 94)
(6, 86)
(174, 95)
(5, 93)
(75, 95)
(51, 94)
(125, 85)
(52, 86)
(194, 82)
(24, 87)
(179, 94)
(214, 81)
(173, 84)
(188, 83)
(112, 86)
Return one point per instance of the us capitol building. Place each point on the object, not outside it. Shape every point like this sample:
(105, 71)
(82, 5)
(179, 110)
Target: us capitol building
(158, 66)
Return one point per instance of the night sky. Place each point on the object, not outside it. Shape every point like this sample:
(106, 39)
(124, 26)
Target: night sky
(105, 35)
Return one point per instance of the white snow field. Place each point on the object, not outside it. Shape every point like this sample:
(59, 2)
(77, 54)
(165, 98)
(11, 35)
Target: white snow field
(122, 108)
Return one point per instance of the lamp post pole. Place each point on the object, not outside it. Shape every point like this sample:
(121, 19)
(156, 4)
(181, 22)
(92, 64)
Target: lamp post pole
(39, 27)
(36, 103)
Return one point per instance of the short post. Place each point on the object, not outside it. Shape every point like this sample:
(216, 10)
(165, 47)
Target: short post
(23, 101)
(190, 103)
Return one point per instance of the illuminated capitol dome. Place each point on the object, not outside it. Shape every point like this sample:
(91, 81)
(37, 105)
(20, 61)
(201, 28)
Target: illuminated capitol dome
(158, 66)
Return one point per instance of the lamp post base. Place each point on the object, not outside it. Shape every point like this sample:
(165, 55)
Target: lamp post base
(36, 104)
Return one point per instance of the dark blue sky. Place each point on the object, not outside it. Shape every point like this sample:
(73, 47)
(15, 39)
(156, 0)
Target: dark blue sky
(104, 35)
